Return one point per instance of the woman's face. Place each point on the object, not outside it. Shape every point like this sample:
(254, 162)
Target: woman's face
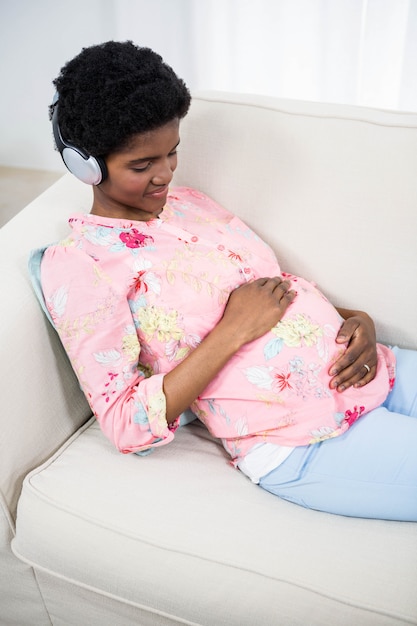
(136, 187)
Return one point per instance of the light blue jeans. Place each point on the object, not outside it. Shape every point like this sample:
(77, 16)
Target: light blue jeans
(369, 471)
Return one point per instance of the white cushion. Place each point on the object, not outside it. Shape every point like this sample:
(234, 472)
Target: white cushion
(183, 533)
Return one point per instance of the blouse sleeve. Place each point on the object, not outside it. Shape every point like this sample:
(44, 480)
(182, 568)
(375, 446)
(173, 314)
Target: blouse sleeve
(93, 319)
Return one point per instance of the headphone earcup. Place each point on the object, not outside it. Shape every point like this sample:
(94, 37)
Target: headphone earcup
(88, 169)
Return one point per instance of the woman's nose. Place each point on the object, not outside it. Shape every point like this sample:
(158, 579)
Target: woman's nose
(164, 172)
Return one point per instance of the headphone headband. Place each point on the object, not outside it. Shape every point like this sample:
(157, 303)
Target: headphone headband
(88, 169)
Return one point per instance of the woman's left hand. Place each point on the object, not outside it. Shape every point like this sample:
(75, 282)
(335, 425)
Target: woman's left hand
(357, 365)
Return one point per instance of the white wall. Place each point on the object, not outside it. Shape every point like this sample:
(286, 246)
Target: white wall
(352, 51)
(38, 36)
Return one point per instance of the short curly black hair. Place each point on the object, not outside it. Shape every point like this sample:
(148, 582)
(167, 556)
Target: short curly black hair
(114, 90)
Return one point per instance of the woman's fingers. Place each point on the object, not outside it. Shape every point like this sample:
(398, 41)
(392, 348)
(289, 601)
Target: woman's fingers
(256, 307)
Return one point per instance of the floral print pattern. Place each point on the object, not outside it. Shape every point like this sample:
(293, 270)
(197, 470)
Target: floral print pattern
(134, 239)
(157, 322)
(130, 300)
(298, 331)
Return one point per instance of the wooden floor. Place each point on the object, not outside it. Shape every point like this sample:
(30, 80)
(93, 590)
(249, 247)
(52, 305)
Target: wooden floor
(19, 186)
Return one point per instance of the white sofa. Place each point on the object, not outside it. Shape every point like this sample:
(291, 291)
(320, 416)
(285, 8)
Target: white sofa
(91, 537)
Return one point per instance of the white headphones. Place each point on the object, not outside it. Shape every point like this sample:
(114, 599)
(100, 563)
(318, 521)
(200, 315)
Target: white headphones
(88, 169)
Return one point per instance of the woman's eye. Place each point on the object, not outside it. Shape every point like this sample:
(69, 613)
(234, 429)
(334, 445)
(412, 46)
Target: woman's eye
(141, 169)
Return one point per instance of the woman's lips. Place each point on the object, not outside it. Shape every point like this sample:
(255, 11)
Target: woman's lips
(157, 193)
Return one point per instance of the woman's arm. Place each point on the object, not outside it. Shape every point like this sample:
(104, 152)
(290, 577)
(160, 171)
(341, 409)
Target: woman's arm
(94, 321)
(358, 333)
(252, 310)
(96, 327)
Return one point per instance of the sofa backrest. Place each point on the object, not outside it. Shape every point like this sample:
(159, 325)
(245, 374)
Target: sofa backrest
(332, 188)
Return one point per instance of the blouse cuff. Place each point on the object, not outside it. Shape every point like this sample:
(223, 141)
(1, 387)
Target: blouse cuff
(151, 400)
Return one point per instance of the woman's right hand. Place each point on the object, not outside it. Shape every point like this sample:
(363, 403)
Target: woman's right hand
(255, 307)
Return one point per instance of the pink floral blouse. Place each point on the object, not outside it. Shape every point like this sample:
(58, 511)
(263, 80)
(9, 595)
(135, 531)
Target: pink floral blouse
(130, 300)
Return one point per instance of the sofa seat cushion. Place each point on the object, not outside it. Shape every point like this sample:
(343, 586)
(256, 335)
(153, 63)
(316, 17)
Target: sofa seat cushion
(165, 532)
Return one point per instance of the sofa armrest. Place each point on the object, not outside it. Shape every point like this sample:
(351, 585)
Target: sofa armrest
(42, 404)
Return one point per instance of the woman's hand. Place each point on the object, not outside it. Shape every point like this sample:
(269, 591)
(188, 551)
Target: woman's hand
(357, 366)
(256, 307)
(251, 311)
